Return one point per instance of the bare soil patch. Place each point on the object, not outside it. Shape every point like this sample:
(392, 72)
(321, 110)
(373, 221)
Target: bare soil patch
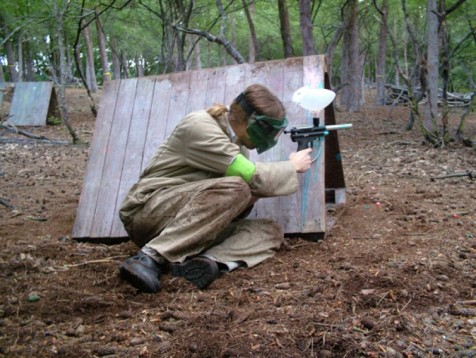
(395, 277)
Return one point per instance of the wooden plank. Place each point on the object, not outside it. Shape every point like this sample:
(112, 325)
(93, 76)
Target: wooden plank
(289, 205)
(198, 89)
(255, 75)
(158, 118)
(313, 210)
(134, 148)
(215, 86)
(94, 168)
(271, 75)
(178, 100)
(235, 81)
(113, 164)
(30, 104)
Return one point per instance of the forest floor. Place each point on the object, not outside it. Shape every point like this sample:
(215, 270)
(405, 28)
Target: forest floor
(394, 277)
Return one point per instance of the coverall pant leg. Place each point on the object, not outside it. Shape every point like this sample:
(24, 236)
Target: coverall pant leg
(195, 218)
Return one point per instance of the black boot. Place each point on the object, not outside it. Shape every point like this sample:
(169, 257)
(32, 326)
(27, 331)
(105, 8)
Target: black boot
(142, 272)
(200, 271)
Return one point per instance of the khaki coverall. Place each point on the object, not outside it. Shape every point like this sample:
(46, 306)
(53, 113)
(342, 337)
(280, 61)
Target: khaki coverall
(184, 205)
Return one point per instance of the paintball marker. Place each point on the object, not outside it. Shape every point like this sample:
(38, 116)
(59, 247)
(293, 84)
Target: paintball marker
(313, 100)
(306, 135)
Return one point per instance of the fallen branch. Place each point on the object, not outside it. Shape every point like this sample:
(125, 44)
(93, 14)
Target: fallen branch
(12, 129)
(33, 141)
(100, 261)
(6, 203)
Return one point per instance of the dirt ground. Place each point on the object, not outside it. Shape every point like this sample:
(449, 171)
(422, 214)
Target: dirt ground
(394, 277)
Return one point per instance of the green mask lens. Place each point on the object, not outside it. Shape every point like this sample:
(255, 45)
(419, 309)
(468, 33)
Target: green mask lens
(264, 131)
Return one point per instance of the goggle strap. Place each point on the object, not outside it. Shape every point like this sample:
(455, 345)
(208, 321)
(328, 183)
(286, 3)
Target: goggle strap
(273, 122)
(243, 103)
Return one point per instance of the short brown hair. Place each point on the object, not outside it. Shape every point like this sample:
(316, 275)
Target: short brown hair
(262, 100)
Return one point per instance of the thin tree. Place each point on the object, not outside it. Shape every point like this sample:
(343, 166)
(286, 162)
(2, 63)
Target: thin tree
(382, 54)
(116, 61)
(8, 43)
(432, 59)
(255, 49)
(59, 12)
(443, 14)
(285, 28)
(332, 45)
(90, 67)
(308, 46)
(102, 49)
(351, 65)
(221, 39)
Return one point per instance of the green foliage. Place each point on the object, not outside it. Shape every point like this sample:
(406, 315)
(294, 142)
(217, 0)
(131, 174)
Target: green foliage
(53, 121)
(144, 29)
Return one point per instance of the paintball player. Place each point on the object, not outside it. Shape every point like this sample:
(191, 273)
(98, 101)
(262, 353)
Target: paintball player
(187, 211)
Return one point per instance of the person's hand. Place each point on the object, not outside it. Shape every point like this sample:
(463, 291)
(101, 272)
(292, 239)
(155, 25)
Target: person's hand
(301, 160)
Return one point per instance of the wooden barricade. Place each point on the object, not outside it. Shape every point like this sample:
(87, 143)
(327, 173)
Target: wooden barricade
(33, 103)
(136, 115)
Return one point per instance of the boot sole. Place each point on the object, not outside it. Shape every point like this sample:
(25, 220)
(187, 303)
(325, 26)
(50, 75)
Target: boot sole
(199, 271)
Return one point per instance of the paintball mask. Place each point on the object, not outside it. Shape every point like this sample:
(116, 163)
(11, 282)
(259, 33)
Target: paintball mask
(263, 131)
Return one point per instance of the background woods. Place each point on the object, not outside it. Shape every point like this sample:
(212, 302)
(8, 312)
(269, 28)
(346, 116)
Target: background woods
(395, 275)
(426, 48)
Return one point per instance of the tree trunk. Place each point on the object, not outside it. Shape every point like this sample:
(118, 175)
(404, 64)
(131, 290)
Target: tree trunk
(382, 55)
(355, 66)
(352, 93)
(333, 45)
(10, 51)
(181, 13)
(431, 109)
(90, 68)
(255, 50)
(116, 62)
(139, 66)
(69, 64)
(125, 65)
(223, 22)
(20, 57)
(233, 37)
(2, 74)
(397, 70)
(11, 61)
(308, 47)
(29, 71)
(194, 59)
(445, 66)
(179, 64)
(59, 14)
(285, 28)
(102, 50)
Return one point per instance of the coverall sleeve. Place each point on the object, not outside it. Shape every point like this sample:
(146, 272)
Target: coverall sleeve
(209, 148)
(274, 179)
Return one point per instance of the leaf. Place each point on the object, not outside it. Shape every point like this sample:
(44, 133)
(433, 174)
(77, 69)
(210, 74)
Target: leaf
(36, 218)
